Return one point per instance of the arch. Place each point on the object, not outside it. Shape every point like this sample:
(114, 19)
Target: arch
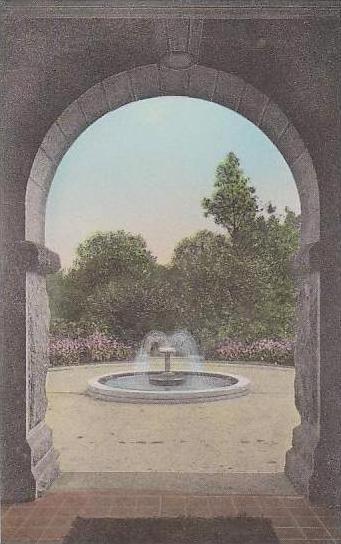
(232, 92)
(151, 81)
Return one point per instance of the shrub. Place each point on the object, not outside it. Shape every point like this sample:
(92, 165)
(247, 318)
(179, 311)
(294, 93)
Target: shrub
(97, 347)
(280, 352)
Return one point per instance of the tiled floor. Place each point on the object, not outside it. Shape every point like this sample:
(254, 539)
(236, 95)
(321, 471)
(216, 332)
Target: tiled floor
(49, 519)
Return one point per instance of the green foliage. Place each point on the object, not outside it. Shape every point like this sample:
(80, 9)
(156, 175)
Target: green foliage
(235, 285)
(100, 259)
(214, 284)
(108, 255)
(130, 308)
(233, 202)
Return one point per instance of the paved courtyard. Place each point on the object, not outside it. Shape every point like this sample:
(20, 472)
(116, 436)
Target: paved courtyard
(248, 434)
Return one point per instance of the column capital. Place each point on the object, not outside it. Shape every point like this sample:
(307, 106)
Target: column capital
(31, 256)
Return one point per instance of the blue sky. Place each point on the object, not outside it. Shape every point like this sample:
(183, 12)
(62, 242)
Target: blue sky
(145, 168)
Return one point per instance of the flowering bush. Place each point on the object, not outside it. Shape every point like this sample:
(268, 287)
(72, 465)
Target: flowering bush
(96, 347)
(280, 352)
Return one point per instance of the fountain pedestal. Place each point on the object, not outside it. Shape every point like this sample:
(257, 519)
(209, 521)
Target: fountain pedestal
(168, 377)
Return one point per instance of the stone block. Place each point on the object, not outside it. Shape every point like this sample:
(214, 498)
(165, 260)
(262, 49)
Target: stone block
(37, 334)
(45, 465)
(174, 82)
(202, 82)
(305, 176)
(229, 90)
(93, 103)
(178, 34)
(145, 82)
(43, 170)
(274, 122)
(291, 145)
(310, 228)
(161, 41)
(40, 441)
(253, 104)
(55, 143)
(118, 90)
(195, 34)
(72, 121)
(36, 198)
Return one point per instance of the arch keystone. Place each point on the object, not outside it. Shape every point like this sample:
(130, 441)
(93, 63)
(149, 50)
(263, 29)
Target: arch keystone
(173, 81)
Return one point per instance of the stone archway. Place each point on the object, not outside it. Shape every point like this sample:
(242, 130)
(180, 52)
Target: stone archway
(230, 91)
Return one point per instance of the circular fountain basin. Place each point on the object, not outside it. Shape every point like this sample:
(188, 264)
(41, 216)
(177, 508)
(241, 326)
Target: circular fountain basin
(194, 387)
(167, 378)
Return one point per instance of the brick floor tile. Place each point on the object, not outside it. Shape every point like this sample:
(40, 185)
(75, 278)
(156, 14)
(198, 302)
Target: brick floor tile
(289, 533)
(308, 521)
(125, 502)
(62, 520)
(173, 506)
(222, 506)
(149, 506)
(29, 532)
(14, 519)
(325, 510)
(316, 532)
(22, 541)
(122, 513)
(8, 533)
(294, 502)
(276, 502)
(302, 511)
(252, 511)
(197, 506)
(246, 500)
(318, 541)
(293, 541)
(95, 511)
(43, 517)
(52, 533)
(282, 521)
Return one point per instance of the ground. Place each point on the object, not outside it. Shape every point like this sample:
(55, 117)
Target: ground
(235, 440)
(248, 434)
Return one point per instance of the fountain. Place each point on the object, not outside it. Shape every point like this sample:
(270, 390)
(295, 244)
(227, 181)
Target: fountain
(188, 382)
(167, 377)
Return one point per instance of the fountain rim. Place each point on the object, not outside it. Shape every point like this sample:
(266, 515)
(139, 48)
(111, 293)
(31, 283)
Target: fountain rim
(115, 394)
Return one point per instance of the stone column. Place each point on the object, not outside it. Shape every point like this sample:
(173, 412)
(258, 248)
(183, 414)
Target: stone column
(313, 463)
(300, 459)
(29, 462)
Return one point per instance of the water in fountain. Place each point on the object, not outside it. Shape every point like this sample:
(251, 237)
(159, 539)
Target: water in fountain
(166, 384)
(182, 341)
(186, 347)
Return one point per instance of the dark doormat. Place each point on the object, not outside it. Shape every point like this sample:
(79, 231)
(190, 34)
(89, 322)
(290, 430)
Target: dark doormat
(240, 530)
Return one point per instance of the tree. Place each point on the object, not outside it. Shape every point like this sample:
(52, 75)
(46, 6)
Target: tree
(108, 255)
(271, 242)
(214, 285)
(100, 259)
(131, 307)
(265, 243)
(233, 202)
